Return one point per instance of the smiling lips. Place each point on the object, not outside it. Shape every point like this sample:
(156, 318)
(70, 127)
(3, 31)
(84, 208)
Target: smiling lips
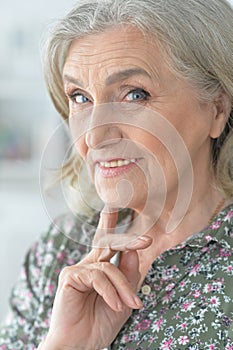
(117, 163)
(115, 167)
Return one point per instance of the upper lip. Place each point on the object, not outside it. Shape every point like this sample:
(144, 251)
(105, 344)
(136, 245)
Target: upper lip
(122, 153)
(114, 159)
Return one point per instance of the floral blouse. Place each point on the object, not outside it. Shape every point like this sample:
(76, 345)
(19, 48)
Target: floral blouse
(187, 293)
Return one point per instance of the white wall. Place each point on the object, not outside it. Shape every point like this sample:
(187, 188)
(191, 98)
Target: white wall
(22, 214)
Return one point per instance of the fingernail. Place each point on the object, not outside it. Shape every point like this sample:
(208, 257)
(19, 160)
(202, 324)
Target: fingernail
(137, 243)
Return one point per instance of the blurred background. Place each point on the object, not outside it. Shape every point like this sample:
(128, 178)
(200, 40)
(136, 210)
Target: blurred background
(27, 121)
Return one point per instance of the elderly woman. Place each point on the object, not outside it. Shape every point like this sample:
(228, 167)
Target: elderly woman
(146, 88)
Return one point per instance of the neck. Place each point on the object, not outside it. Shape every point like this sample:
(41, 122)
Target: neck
(185, 220)
(196, 218)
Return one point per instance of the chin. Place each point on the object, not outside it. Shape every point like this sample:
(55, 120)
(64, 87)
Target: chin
(122, 196)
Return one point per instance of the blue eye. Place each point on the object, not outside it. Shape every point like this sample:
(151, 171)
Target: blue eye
(137, 95)
(79, 98)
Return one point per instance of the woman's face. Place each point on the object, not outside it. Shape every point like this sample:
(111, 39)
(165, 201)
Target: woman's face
(133, 121)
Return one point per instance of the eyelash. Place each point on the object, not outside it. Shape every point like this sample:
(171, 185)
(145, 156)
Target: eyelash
(140, 91)
(72, 96)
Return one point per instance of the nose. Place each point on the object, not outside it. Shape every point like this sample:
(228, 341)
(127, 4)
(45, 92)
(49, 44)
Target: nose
(102, 129)
(101, 136)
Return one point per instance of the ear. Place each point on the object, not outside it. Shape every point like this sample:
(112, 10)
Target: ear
(222, 109)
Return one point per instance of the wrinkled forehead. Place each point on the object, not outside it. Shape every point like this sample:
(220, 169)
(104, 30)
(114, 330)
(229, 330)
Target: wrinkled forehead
(118, 46)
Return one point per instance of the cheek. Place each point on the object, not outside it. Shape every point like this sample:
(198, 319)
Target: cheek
(151, 144)
(194, 135)
(162, 153)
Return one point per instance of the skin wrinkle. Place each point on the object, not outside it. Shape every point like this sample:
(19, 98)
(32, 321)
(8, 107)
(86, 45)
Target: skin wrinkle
(172, 97)
(113, 56)
(136, 77)
(123, 75)
(82, 53)
(150, 69)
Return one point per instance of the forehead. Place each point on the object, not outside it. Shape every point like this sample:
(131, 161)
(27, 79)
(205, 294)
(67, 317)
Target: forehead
(121, 45)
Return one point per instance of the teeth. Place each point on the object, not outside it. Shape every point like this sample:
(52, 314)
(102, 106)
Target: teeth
(117, 163)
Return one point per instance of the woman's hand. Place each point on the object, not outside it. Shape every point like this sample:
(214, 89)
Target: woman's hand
(95, 298)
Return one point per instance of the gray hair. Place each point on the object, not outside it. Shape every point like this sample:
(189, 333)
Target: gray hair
(196, 35)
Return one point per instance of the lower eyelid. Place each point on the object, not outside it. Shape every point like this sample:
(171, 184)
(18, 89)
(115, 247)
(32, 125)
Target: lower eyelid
(143, 92)
(145, 95)
(75, 95)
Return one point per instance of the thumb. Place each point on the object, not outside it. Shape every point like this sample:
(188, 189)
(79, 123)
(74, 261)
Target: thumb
(129, 266)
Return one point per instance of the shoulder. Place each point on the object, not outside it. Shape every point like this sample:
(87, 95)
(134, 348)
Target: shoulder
(65, 243)
(222, 227)
(68, 236)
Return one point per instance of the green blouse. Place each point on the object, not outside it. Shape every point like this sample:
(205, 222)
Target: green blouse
(187, 293)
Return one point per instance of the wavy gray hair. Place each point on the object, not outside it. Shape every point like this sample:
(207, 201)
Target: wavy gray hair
(196, 35)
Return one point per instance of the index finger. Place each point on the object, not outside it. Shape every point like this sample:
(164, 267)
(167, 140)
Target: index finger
(106, 225)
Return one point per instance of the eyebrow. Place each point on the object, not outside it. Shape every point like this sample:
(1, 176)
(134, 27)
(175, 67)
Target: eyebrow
(75, 81)
(125, 74)
(112, 79)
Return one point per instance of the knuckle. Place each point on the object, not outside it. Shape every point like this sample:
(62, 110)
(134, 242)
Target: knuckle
(107, 291)
(100, 270)
(95, 274)
(104, 265)
(64, 274)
